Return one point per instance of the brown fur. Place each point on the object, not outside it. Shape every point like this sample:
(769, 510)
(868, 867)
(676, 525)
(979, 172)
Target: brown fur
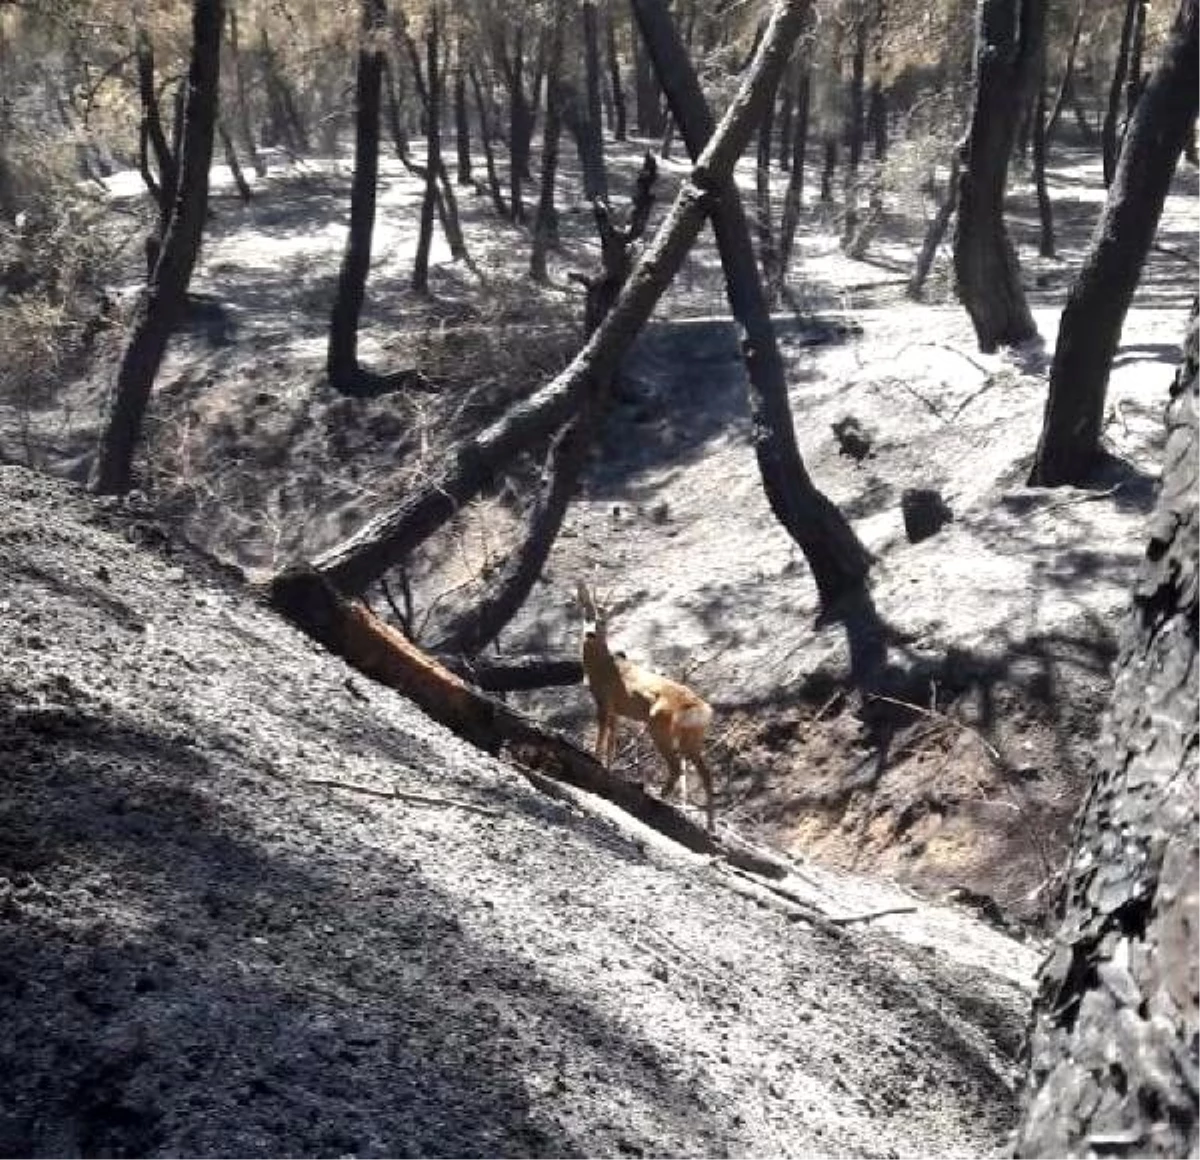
(676, 717)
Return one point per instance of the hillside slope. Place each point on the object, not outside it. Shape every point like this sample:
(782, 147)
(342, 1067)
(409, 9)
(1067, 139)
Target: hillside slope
(206, 953)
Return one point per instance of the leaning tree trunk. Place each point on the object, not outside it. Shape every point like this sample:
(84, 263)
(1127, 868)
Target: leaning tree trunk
(935, 233)
(342, 365)
(1109, 134)
(838, 561)
(793, 196)
(987, 278)
(162, 306)
(486, 131)
(1113, 1067)
(1090, 329)
(165, 158)
(389, 537)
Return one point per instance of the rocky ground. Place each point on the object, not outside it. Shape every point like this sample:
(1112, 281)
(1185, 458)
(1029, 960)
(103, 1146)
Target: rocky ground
(209, 949)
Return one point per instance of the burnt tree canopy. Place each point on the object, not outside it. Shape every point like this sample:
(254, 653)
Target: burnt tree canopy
(1114, 1046)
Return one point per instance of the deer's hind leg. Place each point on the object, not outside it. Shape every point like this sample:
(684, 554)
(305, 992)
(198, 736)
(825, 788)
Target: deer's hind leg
(706, 777)
(662, 732)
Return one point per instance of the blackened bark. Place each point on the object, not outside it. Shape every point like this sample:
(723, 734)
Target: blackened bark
(1090, 330)
(389, 537)
(616, 84)
(243, 100)
(838, 561)
(285, 122)
(1109, 135)
(1112, 1067)
(479, 627)
(1067, 83)
(595, 176)
(855, 106)
(793, 197)
(231, 159)
(935, 233)
(396, 114)
(162, 306)
(486, 131)
(1133, 76)
(341, 362)
(165, 159)
(433, 157)
(877, 122)
(651, 117)
(462, 123)
(828, 167)
(545, 223)
(768, 255)
(987, 277)
(1045, 208)
(787, 113)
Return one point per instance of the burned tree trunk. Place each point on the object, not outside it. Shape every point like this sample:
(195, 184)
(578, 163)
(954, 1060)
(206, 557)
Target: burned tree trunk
(986, 275)
(838, 561)
(1109, 133)
(1045, 208)
(388, 538)
(614, 74)
(462, 123)
(165, 160)
(1112, 1066)
(341, 362)
(545, 222)
(162, 306)
(486, 130)
(243, 101)
(793, 196)
(1090, 329)
(595, 176)
(1067, 84)
(433, 158)
(935, 233)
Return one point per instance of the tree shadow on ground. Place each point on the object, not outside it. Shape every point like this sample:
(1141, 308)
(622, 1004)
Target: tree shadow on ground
(214, 998)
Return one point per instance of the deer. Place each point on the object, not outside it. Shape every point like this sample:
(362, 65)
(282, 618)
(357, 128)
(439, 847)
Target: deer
(675, 716)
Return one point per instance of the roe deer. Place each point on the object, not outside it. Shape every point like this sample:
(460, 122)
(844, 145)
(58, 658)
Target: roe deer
(676, 717)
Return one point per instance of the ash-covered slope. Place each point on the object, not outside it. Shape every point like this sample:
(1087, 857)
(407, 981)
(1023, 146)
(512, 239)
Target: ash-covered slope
(203, 952)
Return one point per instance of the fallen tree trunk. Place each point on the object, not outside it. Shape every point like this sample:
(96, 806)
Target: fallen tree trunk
(390, 536)
(518, 673)
(382, 652)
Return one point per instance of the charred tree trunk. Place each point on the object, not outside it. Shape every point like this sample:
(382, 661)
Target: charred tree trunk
(545, 224)
(1109, 133)
(389, 537)
(284, 117)
(165, 161)
(1133, 76)
(935, 233)
(1090, 330)
(651, 117)
(162, 305)
(1067, 84)
(1045, 208)
(342, 366)
(243, 101)
(987, 277)
(828, 167)
(433, 158)
(1113, 1046)
(838, 561)
(485, 137)
(462, 123)
(616, 85)
(768, 255)
(231, 159)
(793, 197)
(595, 177)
